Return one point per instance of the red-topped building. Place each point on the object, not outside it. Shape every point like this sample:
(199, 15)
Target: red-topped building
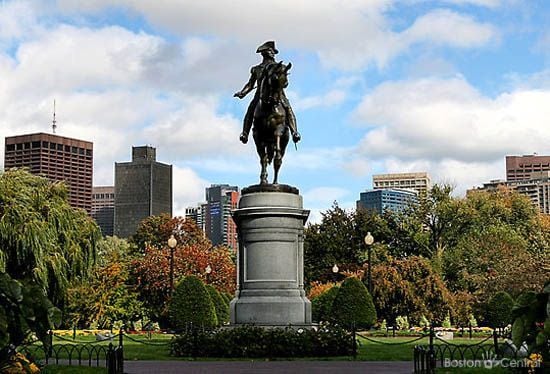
(57, 158)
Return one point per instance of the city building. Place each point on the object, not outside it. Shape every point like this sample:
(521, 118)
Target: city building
(143, 188)
(521, 168)
(197, 214)
(381, 200)
(103, 208)
(57, 158)
(419, 182)
(221, 199)
(537, 189)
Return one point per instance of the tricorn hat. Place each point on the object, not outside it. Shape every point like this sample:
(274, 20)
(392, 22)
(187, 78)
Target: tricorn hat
(267, 45)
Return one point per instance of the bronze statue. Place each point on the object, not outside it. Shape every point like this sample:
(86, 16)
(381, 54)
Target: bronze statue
(269, 113)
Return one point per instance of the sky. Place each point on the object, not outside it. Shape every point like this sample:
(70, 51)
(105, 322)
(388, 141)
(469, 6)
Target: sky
(378, 86)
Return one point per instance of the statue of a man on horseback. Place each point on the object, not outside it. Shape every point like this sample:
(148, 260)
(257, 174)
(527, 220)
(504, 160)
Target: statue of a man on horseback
(269, 114)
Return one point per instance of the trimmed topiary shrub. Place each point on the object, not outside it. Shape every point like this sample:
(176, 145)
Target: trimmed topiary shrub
(353, 305)
(499, 310)
(191, 304)
(222, 308)
(321, 306)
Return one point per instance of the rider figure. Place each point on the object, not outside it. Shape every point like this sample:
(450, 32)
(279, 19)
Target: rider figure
(268, 52)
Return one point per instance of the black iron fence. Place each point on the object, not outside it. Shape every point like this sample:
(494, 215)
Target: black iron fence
(485, 353)
(73, 352)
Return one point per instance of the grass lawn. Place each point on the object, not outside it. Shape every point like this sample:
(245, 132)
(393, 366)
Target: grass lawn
(139, 347)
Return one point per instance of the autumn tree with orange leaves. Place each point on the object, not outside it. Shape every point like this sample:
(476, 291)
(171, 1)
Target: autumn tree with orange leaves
(192, 255)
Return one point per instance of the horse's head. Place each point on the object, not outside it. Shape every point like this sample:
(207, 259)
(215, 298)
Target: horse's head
(277, 76)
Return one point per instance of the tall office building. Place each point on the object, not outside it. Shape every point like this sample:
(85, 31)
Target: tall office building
(521, 168)
(57, 158)
(103, 208)
(386, 199)
(143, 188)
(221, 199)
(419, 182)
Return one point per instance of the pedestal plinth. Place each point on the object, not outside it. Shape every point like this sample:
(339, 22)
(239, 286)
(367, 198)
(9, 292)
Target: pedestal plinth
(270, 259)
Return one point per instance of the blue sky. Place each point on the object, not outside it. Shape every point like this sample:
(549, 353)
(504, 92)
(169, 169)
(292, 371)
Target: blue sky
(449, 87)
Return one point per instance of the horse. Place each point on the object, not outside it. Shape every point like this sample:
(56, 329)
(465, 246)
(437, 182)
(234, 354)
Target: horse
(270, 130)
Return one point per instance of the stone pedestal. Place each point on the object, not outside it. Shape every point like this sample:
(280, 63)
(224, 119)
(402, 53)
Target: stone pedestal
(270, 259)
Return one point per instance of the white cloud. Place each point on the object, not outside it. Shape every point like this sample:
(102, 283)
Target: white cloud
(188, 189)
(347, 35)
(319, 199)
(484, 3)
(445, 27)
(331, 98)
(436, 119)
(196, 131)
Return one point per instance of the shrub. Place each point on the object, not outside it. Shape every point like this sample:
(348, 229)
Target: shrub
(191, 303)
(499, 310)
(424, 322)
(221, 307)
(252, 342)
(353, 305)
(402, 322)
(321, 306)
(447, 321)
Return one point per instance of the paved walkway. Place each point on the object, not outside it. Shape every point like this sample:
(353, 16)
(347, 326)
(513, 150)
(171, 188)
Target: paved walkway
(265, 367)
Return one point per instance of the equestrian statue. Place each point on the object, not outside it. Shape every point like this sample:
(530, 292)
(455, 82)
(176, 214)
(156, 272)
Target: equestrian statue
(269, 114)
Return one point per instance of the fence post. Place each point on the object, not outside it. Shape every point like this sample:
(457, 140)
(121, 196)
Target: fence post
(431, 353)
(495, 341)
(354, 341)
(50, 346)
(393, 331)
(74, 332)
(120, 337)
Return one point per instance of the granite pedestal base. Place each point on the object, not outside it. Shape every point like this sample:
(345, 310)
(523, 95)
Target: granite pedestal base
(270, 259)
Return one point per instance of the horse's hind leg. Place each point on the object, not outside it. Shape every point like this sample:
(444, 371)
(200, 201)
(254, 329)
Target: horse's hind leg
(263, 162)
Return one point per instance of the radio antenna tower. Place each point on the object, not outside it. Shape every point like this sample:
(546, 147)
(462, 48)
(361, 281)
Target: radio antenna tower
(54, 122)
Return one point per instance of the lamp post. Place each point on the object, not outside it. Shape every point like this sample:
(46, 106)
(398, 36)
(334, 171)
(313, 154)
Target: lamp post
(208, 270)
(368, 241)
(172, 242)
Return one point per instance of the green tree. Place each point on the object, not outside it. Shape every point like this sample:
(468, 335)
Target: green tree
(338, 239)
(221, 307)
(45, 244)
(191, 304)
(499, 310)
(107, 295)
(410, 287)
(353, 305)
(321, 306)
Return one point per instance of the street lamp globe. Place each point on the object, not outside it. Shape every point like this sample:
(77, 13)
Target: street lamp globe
(335, 268)
(369, 239)
(172, 242)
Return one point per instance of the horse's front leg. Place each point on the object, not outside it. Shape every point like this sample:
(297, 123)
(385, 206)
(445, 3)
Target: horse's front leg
(278, 159)
(263, 162)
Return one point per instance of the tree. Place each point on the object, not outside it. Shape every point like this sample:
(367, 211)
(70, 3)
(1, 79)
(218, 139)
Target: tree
(410, 287)
(107, 295)
(44, 245)
(191, 304)
(338, 239)
(189, 259)
(321, 305)
(499, 310)
(353, 305)
(221, 306)
(154, 231)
